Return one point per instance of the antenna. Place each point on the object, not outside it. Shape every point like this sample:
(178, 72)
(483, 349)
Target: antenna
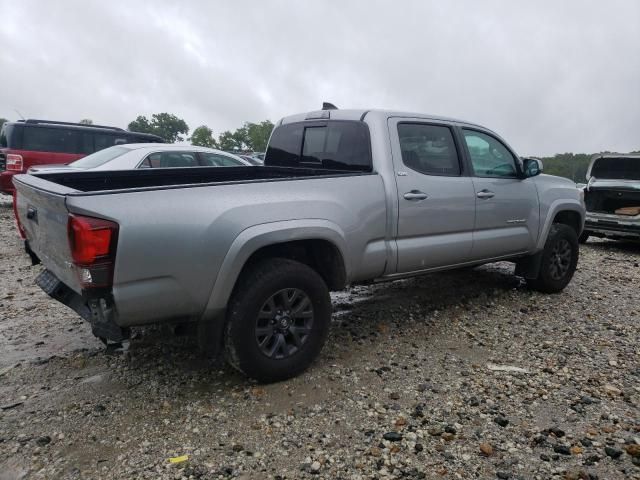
(19, 114)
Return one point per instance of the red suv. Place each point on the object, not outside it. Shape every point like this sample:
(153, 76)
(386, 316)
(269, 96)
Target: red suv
(26, 143)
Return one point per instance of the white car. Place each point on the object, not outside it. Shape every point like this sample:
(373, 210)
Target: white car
(148, 155)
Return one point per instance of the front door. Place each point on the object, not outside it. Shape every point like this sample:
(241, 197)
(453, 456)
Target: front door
(436, 202)
(507, 207)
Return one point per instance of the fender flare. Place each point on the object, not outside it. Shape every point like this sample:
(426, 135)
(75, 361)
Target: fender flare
(256, 237)
(560, 205)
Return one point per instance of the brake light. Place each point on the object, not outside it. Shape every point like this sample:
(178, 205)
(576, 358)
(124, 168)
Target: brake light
(14, 162)
(15, 213)
(93, 243)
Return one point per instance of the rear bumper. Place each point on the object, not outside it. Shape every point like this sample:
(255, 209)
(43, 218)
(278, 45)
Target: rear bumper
(613, 226)
(99, 312)
(6, 182)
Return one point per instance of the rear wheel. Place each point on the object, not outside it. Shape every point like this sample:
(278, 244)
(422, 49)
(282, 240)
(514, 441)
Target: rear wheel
(278, 320)
(559, 260)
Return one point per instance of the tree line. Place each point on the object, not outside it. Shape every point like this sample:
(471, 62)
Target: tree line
(249, 137)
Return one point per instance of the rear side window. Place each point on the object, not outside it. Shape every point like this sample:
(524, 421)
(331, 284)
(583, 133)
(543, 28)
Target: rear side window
(101, 141)
(57, 140)
(428, 149)
(333, 145)
(170, 160)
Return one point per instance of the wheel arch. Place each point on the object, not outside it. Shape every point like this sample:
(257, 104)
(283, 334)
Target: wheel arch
(319, 244)
(567, 213)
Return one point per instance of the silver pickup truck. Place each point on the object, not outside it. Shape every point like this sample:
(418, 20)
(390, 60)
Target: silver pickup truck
(251, 253)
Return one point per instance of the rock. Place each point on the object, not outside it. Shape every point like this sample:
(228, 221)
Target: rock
(503, 475)
(555, 431)
(486, 449)
(500, 420)
(612, 390)
(633, 450)
(562, 449)
(394, 396)
(435, 431)
(392, 436)
(44, 440)
(586, 442)
(576, 450)
(613, 452)
(447, 436)
(315, 467)
(473, 402)
(418, 448)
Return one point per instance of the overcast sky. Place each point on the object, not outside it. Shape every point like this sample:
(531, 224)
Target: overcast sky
(550, 76)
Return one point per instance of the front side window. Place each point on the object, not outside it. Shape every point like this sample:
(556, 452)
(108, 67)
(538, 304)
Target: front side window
(217, 160)
(428, 149)
(489, 156)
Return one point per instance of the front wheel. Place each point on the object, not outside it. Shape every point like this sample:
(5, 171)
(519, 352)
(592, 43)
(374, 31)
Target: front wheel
(278, 320)
(559, 260)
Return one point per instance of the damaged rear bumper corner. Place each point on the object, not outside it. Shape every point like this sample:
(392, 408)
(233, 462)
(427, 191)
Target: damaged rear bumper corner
(99, 311)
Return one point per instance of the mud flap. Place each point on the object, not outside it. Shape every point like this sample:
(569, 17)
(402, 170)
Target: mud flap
(98, 312)
(529, 267)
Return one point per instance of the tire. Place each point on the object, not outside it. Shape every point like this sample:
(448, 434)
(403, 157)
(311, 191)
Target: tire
(584, 236)
(258, 322)
(559, 260)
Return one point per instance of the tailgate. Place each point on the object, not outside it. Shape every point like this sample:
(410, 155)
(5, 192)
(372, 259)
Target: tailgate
(42, 211)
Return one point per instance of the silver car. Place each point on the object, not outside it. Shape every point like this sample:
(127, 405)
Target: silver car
(148, 155)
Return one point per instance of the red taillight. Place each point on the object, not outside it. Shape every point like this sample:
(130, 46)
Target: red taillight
(93, 242)
(14, 162)
(90, 238)
(15, 213)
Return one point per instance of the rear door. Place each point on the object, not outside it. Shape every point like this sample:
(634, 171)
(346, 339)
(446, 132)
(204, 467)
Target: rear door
(436, 207)
(507, 207)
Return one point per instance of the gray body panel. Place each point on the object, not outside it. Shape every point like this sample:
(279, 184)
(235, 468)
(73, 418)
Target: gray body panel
(180, 250)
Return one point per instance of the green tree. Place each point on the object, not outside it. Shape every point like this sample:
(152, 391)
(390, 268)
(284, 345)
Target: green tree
(203, 137)
(257, 135)
(2, 121)
(86, 121)
(165, 125)
(230, 141)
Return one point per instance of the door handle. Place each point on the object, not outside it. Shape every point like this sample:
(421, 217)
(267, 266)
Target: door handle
(415, 195)
(485, 194)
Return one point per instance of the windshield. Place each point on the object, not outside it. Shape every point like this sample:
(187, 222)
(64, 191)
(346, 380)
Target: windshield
(99, 158)
(621, 168)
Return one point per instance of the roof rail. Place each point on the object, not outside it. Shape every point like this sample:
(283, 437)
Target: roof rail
(52, 122)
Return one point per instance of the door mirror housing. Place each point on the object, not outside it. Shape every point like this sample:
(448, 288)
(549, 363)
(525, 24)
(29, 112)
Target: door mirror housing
(531, 167)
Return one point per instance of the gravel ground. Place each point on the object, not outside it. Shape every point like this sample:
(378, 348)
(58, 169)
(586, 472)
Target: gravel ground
(411, 384)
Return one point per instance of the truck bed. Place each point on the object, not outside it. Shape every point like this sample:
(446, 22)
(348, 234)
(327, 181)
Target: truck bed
(103, 182)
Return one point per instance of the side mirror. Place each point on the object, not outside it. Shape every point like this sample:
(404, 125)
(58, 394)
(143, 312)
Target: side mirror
(532, 167)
